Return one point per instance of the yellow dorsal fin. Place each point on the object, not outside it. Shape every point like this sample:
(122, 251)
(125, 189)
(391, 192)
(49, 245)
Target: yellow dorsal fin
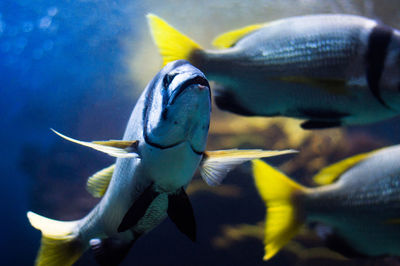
(331, 173)
(228, 39)
(216, 164)
(98, 183)
(171, 44)
(284, 212)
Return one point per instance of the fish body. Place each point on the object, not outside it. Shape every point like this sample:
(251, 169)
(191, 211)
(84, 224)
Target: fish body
(171, 138)
(362, 206)
(163, 145)
(330, 70)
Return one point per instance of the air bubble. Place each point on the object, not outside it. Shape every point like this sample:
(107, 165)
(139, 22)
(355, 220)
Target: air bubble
(52, 11)
(48, 45)
(45, 22)
(27, 26)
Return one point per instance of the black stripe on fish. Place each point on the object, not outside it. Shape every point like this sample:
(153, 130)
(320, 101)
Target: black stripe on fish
(153, 85)
(110, 251)
(168, 78)
(138, 208)
(225, 100)
(377, 50)
(180, 211)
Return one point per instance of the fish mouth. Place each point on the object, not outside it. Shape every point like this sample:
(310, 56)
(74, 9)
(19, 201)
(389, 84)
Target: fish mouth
(197, 80)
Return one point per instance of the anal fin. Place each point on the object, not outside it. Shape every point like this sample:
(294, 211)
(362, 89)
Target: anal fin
(110, 251)
(180, 211)
(315, 124)
(138, 208)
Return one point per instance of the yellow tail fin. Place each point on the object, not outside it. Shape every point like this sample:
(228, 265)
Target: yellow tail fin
(172, 44)
(284, 215)
(59, 245)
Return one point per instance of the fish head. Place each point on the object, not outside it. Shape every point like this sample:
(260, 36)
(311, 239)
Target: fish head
(178, 107)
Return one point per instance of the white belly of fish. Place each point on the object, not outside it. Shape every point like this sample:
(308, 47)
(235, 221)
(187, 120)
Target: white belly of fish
(170, 168)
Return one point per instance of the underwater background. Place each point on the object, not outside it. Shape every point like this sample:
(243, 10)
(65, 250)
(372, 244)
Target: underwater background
(79, 66)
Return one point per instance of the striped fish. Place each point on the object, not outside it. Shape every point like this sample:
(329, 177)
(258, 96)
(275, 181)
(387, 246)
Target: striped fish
(330, 70)
(163, 145)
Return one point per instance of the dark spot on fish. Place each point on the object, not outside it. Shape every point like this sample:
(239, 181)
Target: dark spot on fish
(176, 122)
(322, 114)
(225, 100)
(377, 50)
(164, 113)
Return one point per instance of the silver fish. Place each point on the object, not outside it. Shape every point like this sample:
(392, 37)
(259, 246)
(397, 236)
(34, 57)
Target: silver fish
(162, 147)
(331, 70)
(359, 198)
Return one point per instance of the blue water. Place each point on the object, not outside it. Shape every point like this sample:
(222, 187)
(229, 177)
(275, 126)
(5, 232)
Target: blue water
(63, 65)
(57, 58)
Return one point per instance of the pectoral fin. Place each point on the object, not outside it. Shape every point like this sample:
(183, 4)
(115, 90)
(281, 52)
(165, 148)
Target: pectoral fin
(98, 183)
(115, 148)
(180, 211)
(110, 251)
(230, 38)
(138, 208)
(216, 164)
(331, 173)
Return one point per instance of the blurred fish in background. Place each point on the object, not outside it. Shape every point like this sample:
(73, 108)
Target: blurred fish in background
(358, 197)
(78, 65)
(331, 69)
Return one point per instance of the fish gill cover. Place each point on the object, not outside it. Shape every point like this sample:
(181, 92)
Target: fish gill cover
(78, 66)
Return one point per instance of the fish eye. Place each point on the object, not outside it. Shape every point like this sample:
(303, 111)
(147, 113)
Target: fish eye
(168, 79)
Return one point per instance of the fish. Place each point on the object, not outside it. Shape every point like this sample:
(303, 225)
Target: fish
(329, 70)
(358, 198)
(163, 145)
